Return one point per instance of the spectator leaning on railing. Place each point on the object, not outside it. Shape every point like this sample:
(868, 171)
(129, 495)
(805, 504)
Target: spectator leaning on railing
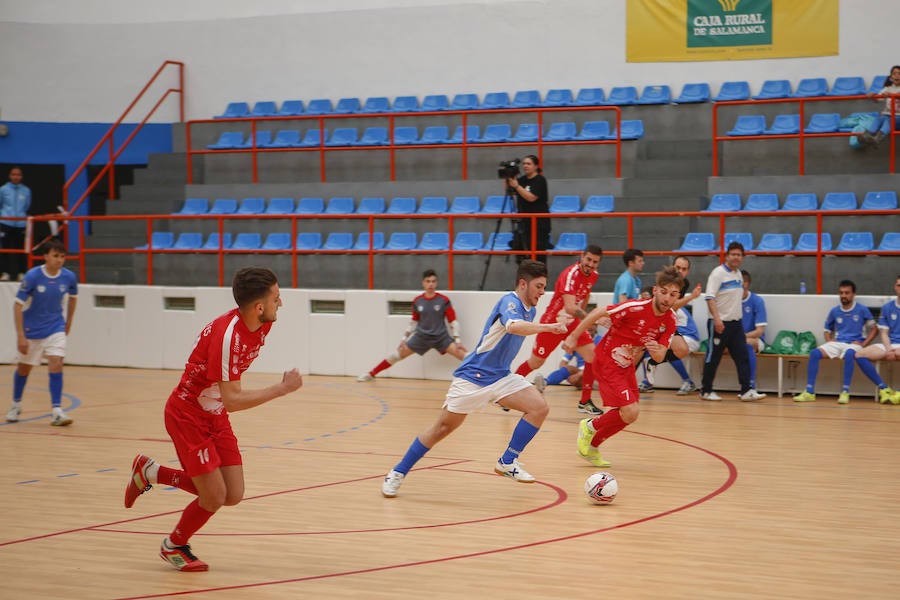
(15, 200)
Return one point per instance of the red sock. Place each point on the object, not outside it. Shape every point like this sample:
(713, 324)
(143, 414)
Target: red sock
(607, 425)
(587, 382)
(524, 369)
(176, 478)
(381, 367)
(193, 518)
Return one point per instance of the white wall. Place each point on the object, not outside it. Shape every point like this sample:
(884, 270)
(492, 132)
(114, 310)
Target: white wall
(84, 61)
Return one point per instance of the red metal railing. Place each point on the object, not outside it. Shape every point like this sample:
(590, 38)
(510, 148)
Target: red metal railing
(800, 137)
(391, 147)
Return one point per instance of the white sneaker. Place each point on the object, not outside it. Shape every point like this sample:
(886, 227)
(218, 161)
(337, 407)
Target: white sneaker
(60, 419)
(391, 483)
(711, 397)
(365, 377)
(751, 395)
(12, 415)
(686, 388)
(651, 372)
(539, 383)
(514, 471)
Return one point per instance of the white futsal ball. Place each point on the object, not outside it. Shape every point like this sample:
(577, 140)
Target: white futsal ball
(601, 488)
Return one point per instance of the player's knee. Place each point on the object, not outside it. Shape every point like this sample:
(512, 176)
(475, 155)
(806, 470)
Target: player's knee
(233, 498)
(629, 413)
(393, 358)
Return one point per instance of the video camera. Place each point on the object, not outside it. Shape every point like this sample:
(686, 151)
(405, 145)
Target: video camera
(509, 168)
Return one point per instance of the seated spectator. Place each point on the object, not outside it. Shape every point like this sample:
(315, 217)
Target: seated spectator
(888, 349)
(882, 125)
(754, 319)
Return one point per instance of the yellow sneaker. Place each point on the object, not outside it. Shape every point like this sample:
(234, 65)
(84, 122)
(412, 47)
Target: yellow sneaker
(844, 398)
(886, 395)
(805, 397)
(895, 398)
(585, 435)
(593, 457)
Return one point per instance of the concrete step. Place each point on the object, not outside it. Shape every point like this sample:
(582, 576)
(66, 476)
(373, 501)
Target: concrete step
(679, 149)
(667, 168)
(664, 188)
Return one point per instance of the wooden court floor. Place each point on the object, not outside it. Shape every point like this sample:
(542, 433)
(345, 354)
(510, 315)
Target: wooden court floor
(726, 500)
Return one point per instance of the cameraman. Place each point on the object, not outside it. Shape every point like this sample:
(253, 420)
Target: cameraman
(531, 197)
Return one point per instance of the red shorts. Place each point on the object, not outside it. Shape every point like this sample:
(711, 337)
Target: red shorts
(204, 441)
(618, 385)
(546, 342)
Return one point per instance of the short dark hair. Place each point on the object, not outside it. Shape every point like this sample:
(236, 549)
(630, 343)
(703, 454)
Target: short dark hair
(668, 276)
(683, 257)
(530, 269)
(735, 246)
(746, 275)
(630, 254)
(594, 249)
(847, 283)
(251, 284)
(428, 273)
(51, 245)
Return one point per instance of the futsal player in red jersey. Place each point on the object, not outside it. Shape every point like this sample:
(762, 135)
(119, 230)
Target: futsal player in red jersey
(570, 294)
(196, 413)
(637, 325)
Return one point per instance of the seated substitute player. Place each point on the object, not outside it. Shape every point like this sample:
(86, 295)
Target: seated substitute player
(844, 337)
(570, 296)
(42, 327)
(484, 378)
(637, 325)
(755, 321)
(197, 411)
(888, 349)
(427, 329)
(689, 334)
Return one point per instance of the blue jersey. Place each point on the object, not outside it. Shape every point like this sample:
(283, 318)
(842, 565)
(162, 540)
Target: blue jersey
(890, 320)
(44, 299)
(627, 284)
(496, 348)
(848, 325)
(754, 313)
(686, 327)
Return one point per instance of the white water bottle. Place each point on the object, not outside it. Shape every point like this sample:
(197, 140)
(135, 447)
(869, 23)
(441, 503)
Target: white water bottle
(802, 287)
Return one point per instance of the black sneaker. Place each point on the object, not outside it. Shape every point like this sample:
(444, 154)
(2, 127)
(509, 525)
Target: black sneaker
(589, 408)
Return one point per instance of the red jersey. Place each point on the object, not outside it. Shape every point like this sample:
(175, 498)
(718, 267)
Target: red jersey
(222, 352)
(571, 281)
(634, 324)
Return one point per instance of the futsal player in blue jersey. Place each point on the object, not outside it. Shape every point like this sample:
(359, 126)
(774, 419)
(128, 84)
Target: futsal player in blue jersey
(844, 337)
(484, 378)
(42, 325)
(755, 321)
(888, 349)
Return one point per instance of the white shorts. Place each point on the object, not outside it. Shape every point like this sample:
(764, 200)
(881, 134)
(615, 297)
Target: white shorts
(838, 349)
(465, 397)
(693, 344)
(883, 349)
(760, 345)
(55, 345)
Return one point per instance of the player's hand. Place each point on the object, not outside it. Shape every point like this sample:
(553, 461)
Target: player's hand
(697, 291)
(605, 322)
(652, 345)
(22, 345)
(292, 380)
(569, 344)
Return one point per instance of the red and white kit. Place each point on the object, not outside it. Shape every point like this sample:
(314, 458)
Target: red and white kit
(574, 282)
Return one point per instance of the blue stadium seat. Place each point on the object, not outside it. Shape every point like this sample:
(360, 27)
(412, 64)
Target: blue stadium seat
(347, 106)
(263, 138)
(526, 99)
(848, 86)
(526, 132)
(405, 104)
(745, 239)
(377, 104)
(465, 205)
(433, 205)
(823, 123)
(570, 242)
(812, 87)
(264, 108)
(807, 242)
(468, 240)
(839, 201)
(362, 242)
(406, 135)
(599, 204)
(236, 110)
(473, 132)
(200, 206)
(784, 124)
(560, 132)
(312, 138)
(319, 106)
(850, 121)
(343, 136)
(159, 240)
(252, 206)
(724, 203)
(873, 201)
(593, 130)
(877, 84)
(188, 241)
(338, 241)
(339, 205)
(277, 241)
(286, 138)
(733, 90)
(435, 134)
(890, 241)
(857, 241)
(224, 206)
(435, 102)
(622, 96)
(801, 201)
(655, 94)
(280, 206)
(495, 204)
(374, 136)
(495, 133)
(748, 125)
(775, 242)
(291, 108)
(212, 242)
(590, 97)
(309, 240)
(494, 100)
(402, 240)
(693, 93)
(565, 204)
(402, 206)
(371, 205)
(464, 102)
(434, 240)
(247, 241)
(698, 242)
(761, 202)
(499, 242)
(310, 206)
(774, 88)
(632, 129)
(228, 140)
(558, 97)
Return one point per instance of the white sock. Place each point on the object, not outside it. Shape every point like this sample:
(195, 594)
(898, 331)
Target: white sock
(152, 472)
(57, 411)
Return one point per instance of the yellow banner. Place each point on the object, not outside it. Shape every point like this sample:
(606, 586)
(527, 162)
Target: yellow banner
(705, 30)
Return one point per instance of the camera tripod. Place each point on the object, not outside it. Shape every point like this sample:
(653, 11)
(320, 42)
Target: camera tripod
(508, 203)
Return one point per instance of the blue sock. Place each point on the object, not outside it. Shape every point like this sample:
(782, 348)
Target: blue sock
(416, 451)
(868, 369)
(849, 362)
(813, 370)
(56, 382)
(522, 434)
(681, 370)
(557, 376)
(18, 386)
(751, 357)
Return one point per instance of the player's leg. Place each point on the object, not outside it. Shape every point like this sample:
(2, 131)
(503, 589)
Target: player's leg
(534, 411)
(175, 549)
(454, 349)
(849, 358)
(864, 358)
(24, 363)
(544, 344)
(812, 372)
(714, 352)
(619, 390)
(585, 349)
(403, 350)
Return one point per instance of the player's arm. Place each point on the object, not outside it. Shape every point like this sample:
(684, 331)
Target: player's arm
(21, 341)
(829, 337)
(235, 398)
(522, 327)
(757, 333)
(70, 312)
(572, 307)
(656, 350)
(688, 298)
(589, 319)
(873, 331)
